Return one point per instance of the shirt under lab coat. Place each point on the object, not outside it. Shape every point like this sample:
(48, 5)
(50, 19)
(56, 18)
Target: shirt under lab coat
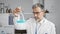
(43, 27)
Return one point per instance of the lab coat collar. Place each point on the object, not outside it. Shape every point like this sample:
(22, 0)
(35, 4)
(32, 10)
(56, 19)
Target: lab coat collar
(42, 21)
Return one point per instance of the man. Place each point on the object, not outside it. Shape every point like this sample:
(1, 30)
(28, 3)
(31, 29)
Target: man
(38, 24)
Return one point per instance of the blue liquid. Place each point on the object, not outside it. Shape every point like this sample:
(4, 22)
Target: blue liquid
(20, 21)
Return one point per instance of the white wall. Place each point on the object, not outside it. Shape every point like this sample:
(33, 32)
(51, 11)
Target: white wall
(4, 19)
(54, 8)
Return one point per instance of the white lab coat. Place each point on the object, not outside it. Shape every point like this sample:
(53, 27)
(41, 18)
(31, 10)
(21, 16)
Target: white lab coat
(43, 27)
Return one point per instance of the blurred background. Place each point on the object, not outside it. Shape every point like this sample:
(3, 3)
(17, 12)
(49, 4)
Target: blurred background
(6, 7)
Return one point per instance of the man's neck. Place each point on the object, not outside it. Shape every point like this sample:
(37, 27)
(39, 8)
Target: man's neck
(38, 20)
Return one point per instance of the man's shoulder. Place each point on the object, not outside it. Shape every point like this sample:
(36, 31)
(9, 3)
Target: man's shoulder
(49, 22)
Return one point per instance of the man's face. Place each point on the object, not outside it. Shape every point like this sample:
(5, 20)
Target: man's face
(38, 13)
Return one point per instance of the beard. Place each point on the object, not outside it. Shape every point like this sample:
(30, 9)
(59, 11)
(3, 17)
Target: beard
(37, 19)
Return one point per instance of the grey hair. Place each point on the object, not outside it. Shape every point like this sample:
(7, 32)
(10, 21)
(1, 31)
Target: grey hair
(38, 5)
(41, 6)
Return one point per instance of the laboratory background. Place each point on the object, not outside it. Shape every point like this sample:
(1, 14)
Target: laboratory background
(53, 6)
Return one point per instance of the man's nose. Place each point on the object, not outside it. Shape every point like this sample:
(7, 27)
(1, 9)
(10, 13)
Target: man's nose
(35, 15)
